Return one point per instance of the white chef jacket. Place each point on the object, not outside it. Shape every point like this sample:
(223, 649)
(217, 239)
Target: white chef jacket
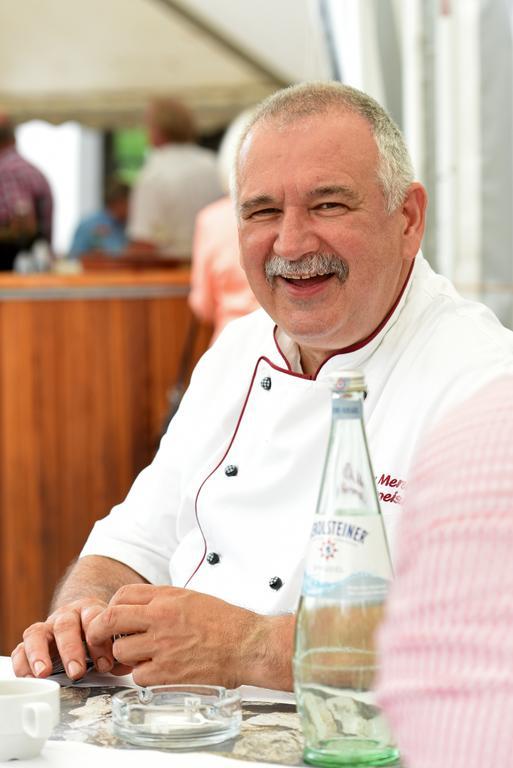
(237, 475)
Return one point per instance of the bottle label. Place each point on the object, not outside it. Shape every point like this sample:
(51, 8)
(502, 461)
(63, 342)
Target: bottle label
(348, 559)
(347, 409)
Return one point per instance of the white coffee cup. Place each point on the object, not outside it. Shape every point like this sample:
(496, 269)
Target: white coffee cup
(29, 711)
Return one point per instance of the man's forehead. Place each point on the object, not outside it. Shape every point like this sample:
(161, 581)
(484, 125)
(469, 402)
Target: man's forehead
(320, 130)
(330, 142)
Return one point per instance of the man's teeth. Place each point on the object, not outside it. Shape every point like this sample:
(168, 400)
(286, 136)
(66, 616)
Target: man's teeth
(306, 277)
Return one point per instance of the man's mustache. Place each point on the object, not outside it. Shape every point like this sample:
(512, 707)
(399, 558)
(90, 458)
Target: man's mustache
(307, 266)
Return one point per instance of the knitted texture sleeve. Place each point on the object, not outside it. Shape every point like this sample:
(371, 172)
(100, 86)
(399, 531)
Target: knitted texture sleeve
(447, 644)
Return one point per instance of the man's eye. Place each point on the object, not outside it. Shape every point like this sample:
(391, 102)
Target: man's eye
(331, 206)
(263, 213)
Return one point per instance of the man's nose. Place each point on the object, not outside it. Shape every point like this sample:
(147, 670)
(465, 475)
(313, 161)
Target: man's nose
(295, 236)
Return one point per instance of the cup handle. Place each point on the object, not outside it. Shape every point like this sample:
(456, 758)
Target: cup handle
(37, 719)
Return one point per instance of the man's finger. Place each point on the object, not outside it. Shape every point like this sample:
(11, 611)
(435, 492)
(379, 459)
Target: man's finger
(116, 620)
(148, 673)
(134, 649)
(67, 630)
(120, 669)
(36, 646)
(101, 654)
(134, 594)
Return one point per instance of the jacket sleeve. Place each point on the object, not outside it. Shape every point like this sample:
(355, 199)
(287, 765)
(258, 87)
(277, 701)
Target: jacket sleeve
(141, 532)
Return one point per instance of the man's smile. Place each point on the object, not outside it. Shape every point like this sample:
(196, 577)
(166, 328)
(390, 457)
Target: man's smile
(311, 269)
(306, 280)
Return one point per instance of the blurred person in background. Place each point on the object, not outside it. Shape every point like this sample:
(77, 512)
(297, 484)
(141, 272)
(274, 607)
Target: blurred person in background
(26, 202)
(105, 231)
(220, 290)
(447, 653)
(177, 180)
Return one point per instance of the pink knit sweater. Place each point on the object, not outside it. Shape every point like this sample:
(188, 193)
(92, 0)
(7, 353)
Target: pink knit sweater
(447, 644)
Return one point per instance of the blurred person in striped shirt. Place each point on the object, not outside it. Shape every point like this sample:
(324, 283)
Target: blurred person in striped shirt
(447, 643)
(26, 202)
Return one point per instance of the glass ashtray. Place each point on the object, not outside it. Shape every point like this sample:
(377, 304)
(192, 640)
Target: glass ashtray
(176, 716)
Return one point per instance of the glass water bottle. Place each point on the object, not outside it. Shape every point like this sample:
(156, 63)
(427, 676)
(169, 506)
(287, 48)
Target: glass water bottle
(347, 575)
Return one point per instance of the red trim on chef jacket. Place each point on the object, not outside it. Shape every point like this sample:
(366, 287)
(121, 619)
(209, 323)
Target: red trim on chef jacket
(289, 367)
(217, 467)
(276, 368)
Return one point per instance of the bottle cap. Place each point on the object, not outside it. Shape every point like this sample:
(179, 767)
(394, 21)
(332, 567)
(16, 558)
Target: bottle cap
(347, 381)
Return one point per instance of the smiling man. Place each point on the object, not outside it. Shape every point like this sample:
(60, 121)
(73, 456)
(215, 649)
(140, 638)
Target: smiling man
(201, 566)
(325, 256)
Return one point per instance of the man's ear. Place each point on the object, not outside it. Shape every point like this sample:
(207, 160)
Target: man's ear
(414, 216)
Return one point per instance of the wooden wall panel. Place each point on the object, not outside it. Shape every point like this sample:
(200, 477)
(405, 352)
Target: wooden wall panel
(83, 385)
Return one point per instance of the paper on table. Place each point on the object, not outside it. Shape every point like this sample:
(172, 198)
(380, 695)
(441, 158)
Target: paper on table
(96, 680)
(251, 693)
(62, 754)
(247, 692)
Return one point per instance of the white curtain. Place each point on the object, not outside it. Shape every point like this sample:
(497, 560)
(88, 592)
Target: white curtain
(444, 70)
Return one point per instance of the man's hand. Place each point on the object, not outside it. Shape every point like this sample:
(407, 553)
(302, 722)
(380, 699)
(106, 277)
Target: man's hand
(180, 636)
(63, 632)
(83, 595)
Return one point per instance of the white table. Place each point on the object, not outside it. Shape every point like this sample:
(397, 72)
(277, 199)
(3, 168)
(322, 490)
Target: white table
(63, 754)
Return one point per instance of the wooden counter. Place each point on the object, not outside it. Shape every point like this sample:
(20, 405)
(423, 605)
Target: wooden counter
(85, 364)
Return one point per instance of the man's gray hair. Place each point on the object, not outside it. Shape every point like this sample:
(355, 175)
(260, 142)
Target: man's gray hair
(395, 170)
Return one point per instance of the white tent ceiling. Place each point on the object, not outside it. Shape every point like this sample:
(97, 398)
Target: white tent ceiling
(98, 61)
